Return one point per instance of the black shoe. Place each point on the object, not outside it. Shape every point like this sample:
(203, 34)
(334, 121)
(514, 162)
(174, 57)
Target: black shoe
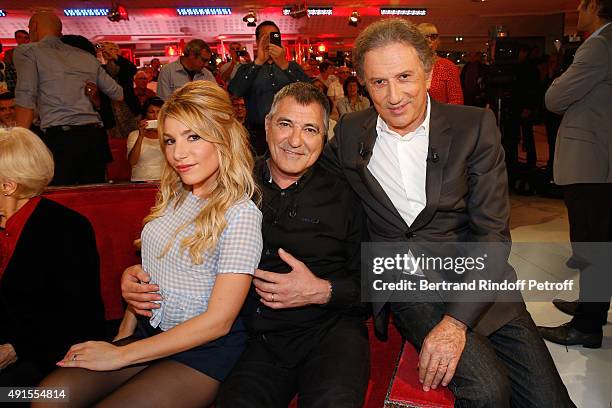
(575, 263)
(570, 307)
(567, 335)
(567, 307)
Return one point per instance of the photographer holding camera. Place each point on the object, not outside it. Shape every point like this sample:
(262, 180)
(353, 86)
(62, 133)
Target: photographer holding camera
(258, 81)
(239, 56)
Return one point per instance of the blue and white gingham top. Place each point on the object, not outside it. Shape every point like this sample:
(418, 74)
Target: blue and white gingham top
(184, 286)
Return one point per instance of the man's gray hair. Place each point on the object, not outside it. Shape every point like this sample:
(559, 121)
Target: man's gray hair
(196, 46)
(304, 94)
(390, 31)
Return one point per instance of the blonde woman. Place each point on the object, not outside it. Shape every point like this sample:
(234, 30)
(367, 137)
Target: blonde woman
(200, 244)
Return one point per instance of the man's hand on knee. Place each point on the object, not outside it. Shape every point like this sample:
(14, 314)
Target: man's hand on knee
(137, 292)
(441, 352)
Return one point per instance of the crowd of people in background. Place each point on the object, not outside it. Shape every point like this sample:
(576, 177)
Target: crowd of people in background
(473, 82)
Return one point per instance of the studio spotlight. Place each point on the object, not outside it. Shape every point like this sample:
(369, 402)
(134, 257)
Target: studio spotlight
(354, 19)
(298, 11)
(250, 19)
(117, 13)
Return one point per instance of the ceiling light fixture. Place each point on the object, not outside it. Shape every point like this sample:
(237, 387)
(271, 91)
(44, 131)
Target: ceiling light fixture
(354, 19)
(86, 12)
(250, 19)
(117, 13)
(204, 11)
(402, 11)
(298, 11)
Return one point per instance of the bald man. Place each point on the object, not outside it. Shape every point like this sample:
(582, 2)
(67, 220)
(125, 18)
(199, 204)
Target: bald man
(55, 79)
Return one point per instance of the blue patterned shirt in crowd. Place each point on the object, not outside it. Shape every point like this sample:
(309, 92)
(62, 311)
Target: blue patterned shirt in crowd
(51, 76)
(184, 286)
(258, 84)
(174, 75)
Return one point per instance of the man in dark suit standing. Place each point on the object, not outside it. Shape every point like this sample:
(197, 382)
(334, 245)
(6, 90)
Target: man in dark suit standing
(428, 172)
(583, 166)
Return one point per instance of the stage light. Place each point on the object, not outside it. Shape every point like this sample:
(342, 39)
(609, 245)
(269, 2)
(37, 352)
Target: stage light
(2, 13)
(204, 11)
(322, 48)
(250, 19)
(354, 19)
(402, 11)
(86, 12)
(296, 11)
(312, 11)
(118, 13)
(171, 51)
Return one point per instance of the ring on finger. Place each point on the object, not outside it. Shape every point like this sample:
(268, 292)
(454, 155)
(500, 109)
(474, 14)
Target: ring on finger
(74, 357)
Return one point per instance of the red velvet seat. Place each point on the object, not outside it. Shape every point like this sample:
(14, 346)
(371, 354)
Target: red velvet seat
(116, 213)
(406, 390)
(119, 169)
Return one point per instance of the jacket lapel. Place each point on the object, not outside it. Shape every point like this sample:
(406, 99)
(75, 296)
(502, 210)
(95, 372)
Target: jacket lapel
(439, 146)
(367, 138)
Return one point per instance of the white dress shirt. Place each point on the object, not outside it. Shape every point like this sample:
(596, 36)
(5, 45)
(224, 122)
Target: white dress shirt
(399, 164)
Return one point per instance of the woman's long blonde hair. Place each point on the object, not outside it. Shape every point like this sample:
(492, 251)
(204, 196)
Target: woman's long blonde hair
(206, 109)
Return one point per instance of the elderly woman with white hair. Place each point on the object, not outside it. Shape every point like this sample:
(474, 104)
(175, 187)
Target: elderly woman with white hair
(49, 266)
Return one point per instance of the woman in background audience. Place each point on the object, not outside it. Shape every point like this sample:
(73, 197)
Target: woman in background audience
(445, 77)
(144, 153)
(352, 101)
(49, 266)
(200, 245)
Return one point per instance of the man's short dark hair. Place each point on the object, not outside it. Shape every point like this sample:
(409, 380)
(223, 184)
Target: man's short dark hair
(324, 65)
(604, 8)
(21, 32)
(155, 101)
(304, 94)
(154, 59)
(7, 96)
(263, 24)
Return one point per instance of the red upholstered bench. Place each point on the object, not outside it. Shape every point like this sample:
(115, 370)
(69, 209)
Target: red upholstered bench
(406, 391)
(119, 169)
(116, 213)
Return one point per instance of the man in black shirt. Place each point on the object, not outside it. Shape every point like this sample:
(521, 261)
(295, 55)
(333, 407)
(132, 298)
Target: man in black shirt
(304, 312)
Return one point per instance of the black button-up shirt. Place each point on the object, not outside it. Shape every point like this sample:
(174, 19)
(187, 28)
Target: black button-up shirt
(320, 222)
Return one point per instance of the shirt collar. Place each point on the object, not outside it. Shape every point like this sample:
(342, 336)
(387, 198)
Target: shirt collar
(267, 175)
(51, 38)
(383, 129)
(600, 29)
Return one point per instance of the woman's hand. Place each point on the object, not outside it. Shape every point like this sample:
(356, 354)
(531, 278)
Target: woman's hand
(94, 355)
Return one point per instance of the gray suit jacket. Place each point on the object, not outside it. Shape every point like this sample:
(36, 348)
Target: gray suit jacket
(466, 187)
(584, 94)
